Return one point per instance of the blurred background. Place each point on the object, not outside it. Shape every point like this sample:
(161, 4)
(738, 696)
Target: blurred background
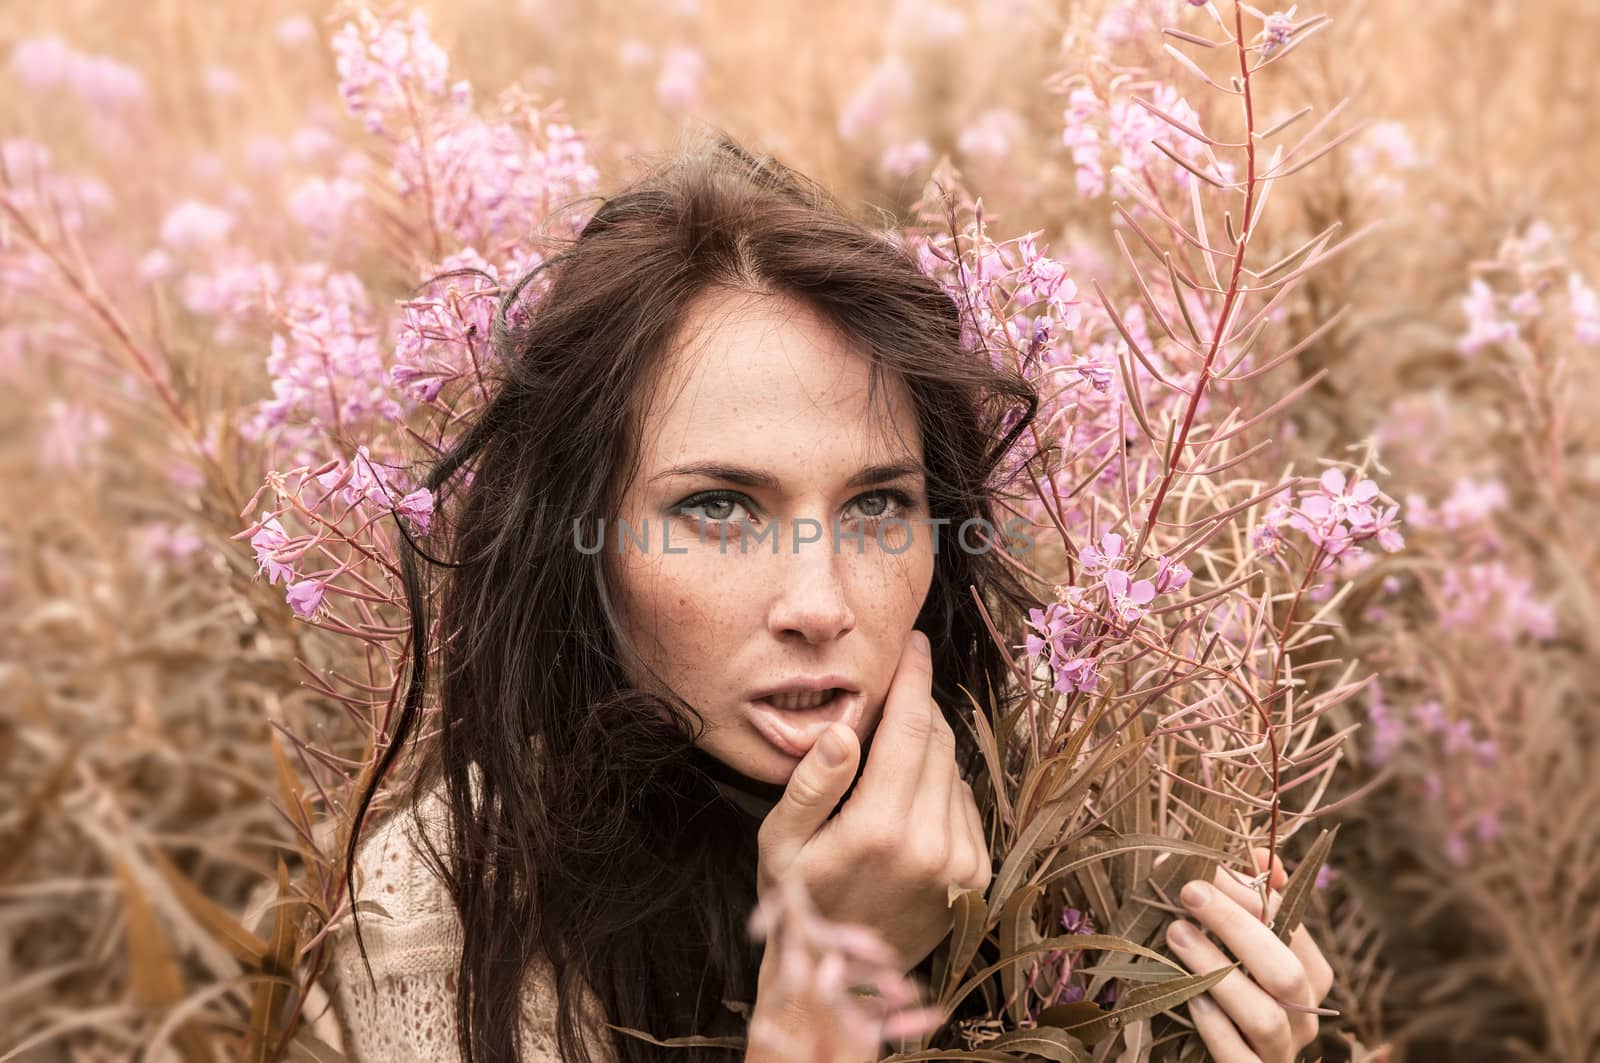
(143, 665)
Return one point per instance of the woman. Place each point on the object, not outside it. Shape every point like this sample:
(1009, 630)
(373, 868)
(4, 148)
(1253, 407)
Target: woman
(699, 534)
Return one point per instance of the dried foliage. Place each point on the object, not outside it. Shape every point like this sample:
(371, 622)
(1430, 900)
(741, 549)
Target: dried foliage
(1291, 260)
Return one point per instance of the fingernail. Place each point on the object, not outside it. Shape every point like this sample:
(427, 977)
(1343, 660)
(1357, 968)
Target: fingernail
(1181, 934)
(920, 641)
(1200, 1004)
(1196, 894)
(834, 750)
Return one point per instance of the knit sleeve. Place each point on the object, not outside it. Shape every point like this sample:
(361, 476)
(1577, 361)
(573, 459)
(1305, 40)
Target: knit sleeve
(405, 1013)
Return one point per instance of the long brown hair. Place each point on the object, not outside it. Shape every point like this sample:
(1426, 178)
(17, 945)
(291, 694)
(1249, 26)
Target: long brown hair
(584, 825)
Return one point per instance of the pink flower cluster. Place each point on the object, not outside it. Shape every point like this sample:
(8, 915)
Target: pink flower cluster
(387, 67)
(1068, 637)
(1488, 596)
(441, 339)
(37, 190)
(481, 181)
(1337, 516)
(1112, 134)
(45, 64)
(328, 369)
(1529, 261)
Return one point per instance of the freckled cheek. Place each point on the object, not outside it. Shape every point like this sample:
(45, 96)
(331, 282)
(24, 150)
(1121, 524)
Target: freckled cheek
(687, 611)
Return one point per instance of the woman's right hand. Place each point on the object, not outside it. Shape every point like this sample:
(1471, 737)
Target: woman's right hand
(909, 831)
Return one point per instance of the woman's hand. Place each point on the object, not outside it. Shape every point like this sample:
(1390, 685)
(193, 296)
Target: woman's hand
(1238, 1018)
(910, 829)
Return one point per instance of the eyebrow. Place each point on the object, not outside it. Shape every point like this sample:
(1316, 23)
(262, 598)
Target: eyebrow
(747, 477)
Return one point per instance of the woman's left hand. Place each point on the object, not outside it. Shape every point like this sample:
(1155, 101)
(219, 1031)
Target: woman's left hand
(1238, 1018)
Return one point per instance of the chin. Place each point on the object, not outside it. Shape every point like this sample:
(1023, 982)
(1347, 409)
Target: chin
(761, 762)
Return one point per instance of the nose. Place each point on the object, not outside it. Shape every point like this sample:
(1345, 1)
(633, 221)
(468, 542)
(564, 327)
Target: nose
(812, 600)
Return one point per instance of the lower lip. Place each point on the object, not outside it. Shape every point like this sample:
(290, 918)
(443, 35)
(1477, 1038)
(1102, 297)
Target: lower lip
(795, 731)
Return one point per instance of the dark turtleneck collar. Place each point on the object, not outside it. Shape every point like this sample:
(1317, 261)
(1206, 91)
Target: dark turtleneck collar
(752, 796)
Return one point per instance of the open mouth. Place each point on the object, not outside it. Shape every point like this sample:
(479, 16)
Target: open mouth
(809, 700)
(793, 722)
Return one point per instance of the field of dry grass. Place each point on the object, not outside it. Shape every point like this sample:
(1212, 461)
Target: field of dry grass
(144, 667)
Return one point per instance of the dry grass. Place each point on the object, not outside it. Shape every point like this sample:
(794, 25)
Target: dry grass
(139, 693)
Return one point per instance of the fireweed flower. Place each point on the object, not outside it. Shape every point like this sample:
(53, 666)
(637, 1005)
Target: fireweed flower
(383, 64)
(1128, 599)
(193, 225)
(1584, 306)
(305, 596)
(1059, 628)
(888, 85)
(417, 507)
(678, 81)
(1488, 597)
(1171, 575)
(1108, 554)
(268, 540)
(1485, 325)
(905, 159)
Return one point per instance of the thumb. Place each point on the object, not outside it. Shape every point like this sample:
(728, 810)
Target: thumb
(819, 780)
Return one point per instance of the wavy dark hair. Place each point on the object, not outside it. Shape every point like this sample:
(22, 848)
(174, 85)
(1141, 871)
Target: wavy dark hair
(584, 825)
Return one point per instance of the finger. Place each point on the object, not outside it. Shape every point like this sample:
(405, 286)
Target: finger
(1319, 973)
(964, 846)
(1259, 1018)
(1218, 1032)
(1269, 961)
(812, 793)
(1279, 875)
(980, 839)
(893, 770)
(932, 825)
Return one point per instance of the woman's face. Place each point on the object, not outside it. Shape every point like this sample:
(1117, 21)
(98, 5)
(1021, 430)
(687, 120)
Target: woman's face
(729, 579)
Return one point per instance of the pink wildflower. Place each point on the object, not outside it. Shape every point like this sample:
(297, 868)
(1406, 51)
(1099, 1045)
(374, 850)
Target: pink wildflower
(1108, 554)
(885, 87)
(417, 507)
(1128, 600)
(1584, 306)
(192, 225)
(678, 81)
(268, 540)
(294, 31)
(305, 596)
(1171, 575)
(1485, 326)
(990, 137)
(905, 159)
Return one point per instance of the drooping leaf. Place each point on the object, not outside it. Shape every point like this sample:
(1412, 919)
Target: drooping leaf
(1044, 1041)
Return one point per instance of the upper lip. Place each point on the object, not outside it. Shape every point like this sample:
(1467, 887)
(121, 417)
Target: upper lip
(808, 685)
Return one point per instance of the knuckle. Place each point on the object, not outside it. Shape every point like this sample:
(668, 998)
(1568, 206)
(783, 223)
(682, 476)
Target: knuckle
(929, 858)
(1287, 983)
(919, 725)
(1269, 1029)
(805, 790)
(877, 843)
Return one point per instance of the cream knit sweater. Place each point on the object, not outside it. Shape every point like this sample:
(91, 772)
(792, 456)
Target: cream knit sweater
(414, 944)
